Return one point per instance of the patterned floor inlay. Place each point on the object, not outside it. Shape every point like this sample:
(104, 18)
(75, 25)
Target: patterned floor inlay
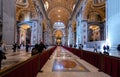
(14, 57)
(10, 62)
(6, 64)
(15, 54)
(61, 55)
(68, 65)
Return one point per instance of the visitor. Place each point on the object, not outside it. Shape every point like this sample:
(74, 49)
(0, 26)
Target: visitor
(71, 45)
(80, 46)
(95, 48)
(14, 47)
(41, 47)
(35, 50)
(75, 45)
(107, 47)
(27, 47)
(19, 46)
(104, 47)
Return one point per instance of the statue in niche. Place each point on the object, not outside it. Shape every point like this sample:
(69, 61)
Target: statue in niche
(94, 33)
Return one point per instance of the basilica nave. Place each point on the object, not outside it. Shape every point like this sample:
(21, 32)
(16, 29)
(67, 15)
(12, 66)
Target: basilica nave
(65, 27)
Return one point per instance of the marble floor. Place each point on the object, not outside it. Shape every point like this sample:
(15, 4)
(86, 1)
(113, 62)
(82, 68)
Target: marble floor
(15, 57)
(62, 63)
(21, 55)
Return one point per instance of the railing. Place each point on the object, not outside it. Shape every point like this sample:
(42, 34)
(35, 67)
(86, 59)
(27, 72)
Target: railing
(28, 68)
(108, 64)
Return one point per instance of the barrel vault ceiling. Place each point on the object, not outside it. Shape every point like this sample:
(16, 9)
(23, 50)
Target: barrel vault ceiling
(59, 10)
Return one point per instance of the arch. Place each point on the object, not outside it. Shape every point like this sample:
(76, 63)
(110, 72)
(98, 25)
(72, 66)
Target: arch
(94, 16)
(89, 8)
(86, 13)
(20, 11)
(22, 4)
(58, 33)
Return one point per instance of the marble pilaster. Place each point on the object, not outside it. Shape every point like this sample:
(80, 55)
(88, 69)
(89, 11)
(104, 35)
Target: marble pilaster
(9, 25)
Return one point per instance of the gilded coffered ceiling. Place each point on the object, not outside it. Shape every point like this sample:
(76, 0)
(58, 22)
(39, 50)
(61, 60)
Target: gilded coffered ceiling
(59, 10)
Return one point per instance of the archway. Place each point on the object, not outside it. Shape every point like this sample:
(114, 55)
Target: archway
(58, 37)
(24, 34)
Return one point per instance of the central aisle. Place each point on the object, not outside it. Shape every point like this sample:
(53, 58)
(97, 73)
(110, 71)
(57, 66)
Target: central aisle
(62, 63)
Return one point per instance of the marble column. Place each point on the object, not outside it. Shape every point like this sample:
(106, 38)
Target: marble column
(9, 25)
(113, 23)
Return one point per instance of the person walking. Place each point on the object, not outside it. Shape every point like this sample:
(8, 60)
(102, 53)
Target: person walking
(19, 46)
(35, 50)
(95, 48)
(27, 47)
(80, 46)
(104, 48)
(14, 47)
(107, 47)
(41, 47)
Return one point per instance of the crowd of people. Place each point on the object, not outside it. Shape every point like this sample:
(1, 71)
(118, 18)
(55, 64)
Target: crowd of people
(38, 48)
(106, 48)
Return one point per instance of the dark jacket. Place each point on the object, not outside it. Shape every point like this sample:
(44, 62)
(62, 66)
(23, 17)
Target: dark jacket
(2, 55)
(41, 47)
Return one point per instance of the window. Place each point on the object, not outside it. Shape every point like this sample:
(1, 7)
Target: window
(58, 25)
(46, 5)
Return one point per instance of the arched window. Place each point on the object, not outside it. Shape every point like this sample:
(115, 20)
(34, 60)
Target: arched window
(58, 25)
(46, 5)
